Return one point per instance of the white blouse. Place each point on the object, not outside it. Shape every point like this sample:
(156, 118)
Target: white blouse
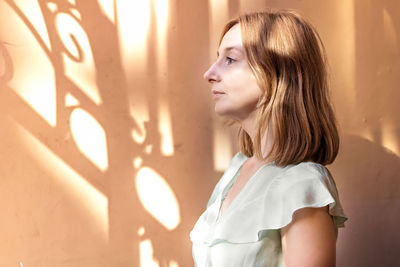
(248, 232)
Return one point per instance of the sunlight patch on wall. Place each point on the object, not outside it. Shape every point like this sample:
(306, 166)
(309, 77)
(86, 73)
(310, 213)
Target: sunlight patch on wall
(37, 88)
(71, 101)
(173, 264)
(138, 103)
(164, 116)
(137, 162)
(141, 231)
(218, 14)
(390, 35)
(148, 149)
(162, 12)
(75, 12)
(222, 147)
(346, 23)
(31, 10)
(34, 79)
(165, 128)
(133, 22)
(367, 134)
(107, 7)
(86, 196)
(52, 7)
(78, 58)
(90, 137)
(146, 252)
(158, 197)
(139, 135)
(390, 138)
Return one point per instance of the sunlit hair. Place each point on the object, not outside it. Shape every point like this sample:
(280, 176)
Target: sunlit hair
(288, 60)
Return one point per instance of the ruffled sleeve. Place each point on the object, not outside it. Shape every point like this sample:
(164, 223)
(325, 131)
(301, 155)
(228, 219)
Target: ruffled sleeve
(306, 185)
(268, 201)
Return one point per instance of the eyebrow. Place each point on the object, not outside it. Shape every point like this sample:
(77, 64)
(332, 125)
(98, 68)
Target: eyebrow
(238, 48)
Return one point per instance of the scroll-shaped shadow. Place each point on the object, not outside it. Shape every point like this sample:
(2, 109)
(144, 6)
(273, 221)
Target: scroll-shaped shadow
(126, 215)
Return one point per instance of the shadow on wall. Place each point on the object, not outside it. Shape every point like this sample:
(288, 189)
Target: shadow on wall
(84, 116)
(371, 192)
(370, 161)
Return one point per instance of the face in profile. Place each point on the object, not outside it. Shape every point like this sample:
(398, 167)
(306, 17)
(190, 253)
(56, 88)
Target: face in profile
(234, 87)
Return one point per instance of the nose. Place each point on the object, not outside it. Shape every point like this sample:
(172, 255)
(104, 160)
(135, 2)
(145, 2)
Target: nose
(212, 75)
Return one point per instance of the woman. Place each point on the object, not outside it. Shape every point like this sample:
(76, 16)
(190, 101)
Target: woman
(276, 204)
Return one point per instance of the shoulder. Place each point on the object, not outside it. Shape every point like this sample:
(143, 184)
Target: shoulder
(306, 169)
(306, 185)
(305, 172)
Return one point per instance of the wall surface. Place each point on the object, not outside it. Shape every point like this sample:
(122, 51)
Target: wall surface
(110, 146)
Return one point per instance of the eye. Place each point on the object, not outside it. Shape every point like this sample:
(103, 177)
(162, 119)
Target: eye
(229, 60)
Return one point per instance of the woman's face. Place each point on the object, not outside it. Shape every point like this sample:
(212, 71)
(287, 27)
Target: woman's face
(234, 85)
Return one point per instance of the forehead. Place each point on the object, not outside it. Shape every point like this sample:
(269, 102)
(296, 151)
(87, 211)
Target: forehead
(232, 40)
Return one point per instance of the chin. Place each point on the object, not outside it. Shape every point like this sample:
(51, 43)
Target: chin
(232, 113)
(224, 112)
(221, 111)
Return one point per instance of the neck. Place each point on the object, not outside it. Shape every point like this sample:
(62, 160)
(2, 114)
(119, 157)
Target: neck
(249, 125)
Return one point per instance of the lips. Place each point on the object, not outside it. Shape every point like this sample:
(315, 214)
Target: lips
(216, 92)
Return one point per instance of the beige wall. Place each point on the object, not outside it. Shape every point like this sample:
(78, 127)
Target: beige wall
(110, 148)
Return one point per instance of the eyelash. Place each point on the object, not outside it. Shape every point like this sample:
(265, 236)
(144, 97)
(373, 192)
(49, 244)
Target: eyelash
(229, 60)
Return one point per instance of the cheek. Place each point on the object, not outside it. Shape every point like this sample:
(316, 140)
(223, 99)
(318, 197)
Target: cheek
(242, 84)
(240, 79)
(253, 85)
(249, 87)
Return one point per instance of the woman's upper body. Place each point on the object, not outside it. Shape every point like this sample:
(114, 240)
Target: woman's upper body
(250, 231)
(276, 201)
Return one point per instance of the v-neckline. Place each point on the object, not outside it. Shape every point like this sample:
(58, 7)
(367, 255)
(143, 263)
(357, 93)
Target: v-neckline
(235, 177)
